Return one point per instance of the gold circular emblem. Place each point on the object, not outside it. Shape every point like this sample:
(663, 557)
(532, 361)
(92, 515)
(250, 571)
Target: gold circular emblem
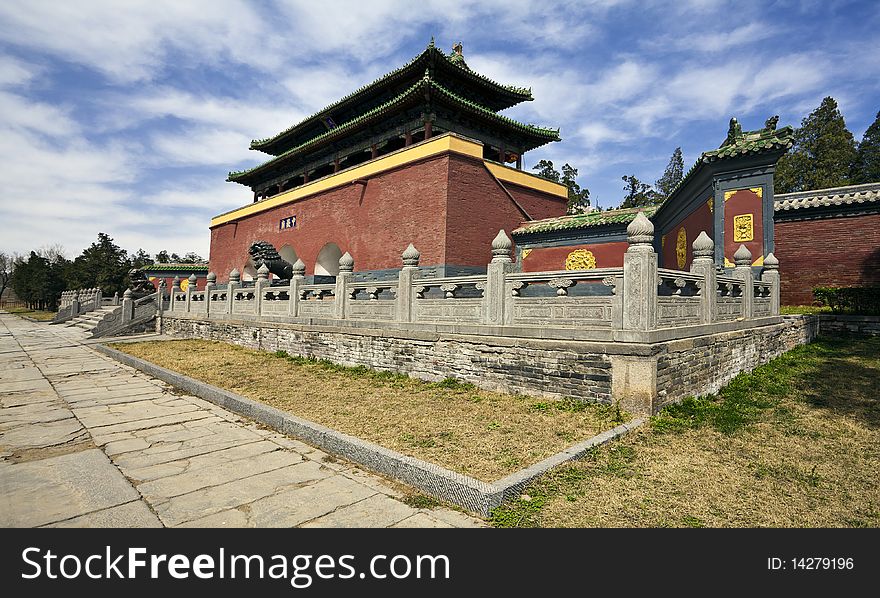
(580, 259)
(184, 284)
(681, 248)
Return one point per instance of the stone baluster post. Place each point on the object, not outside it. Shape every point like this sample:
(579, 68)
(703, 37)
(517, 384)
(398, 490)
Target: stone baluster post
(189, 290)
(343, 281)
(127, 306)
(260, 288)
(74, 303)
(234, 282)
(296, 281)
(405, 279)
(160, 304)
(210, 284)
(743, 271)
(704, 265)
(494, 297)
(771, 274)
(640, 276)
(116, 298)
(175, 288)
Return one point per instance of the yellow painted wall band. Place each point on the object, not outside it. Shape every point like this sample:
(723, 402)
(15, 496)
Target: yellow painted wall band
(525, 179)
(446, 143)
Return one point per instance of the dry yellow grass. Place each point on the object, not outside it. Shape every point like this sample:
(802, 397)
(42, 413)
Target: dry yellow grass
(482, 434)
(807, 456)
(42, 316)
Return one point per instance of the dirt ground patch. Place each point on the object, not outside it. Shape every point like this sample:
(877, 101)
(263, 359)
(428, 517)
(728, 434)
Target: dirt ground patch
(479, 433)
(796, 443)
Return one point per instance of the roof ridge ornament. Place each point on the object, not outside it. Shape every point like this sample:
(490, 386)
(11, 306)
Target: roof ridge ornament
(456, 57)
(734, 133)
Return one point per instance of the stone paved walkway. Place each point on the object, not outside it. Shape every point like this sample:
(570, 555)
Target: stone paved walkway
(88, 442)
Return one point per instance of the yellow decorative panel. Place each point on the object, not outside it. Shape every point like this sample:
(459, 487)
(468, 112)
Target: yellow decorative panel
(580, 259)
(743, 228)
(759, 191)
(759, 261)
(728, 263)
(681, 248)
(525, 253)
(711, 204)
(184, 284)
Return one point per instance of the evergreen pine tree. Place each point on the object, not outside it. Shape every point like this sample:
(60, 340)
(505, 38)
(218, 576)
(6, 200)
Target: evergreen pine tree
(638, 194)
(671, 176)
(866, 168)
(102, 265)
(822, 155)
(578, 199)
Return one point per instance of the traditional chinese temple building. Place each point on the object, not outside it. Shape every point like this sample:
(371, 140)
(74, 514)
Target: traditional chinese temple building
(420, 155)
(728, 194)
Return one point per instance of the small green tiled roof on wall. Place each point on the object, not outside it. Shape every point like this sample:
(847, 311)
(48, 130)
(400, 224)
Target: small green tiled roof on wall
(175, 267)
(590, 219)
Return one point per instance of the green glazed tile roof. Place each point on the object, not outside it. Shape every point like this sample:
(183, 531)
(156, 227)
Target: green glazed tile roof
(540, 134)
(174, 267)
(742, 143)
(519, 94)
(590, 219)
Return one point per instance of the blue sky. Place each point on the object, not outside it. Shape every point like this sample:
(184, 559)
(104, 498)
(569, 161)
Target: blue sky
(125, 117)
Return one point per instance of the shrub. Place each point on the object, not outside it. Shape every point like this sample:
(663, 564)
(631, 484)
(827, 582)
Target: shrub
(850, 300)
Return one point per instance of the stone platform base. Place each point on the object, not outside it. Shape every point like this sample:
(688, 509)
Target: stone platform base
(641, 377)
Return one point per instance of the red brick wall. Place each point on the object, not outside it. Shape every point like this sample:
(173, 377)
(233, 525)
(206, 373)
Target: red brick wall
(450, 207)
(478, 208)
(697, 221)
(608, 255)
(374, 222)
(538, 205)
(829, 252)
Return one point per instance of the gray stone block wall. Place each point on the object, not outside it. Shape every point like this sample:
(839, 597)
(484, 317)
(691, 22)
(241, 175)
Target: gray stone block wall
(500, 366)
(843, 324)
(702, 365)
(641, 376)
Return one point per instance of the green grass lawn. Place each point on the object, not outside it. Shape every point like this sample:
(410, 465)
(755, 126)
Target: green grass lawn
(795, 443)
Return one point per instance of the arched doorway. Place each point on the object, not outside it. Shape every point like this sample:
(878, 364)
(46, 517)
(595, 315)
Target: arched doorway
(288, 254)
(249, 272)
(327, 263)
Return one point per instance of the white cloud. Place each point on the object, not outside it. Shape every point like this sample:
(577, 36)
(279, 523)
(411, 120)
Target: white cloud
(20, 113)
(130, 42)
(202, 146)
(14, 72)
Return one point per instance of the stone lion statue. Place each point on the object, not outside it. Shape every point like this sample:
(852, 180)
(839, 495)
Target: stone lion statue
(139, 284)
(263, 252)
